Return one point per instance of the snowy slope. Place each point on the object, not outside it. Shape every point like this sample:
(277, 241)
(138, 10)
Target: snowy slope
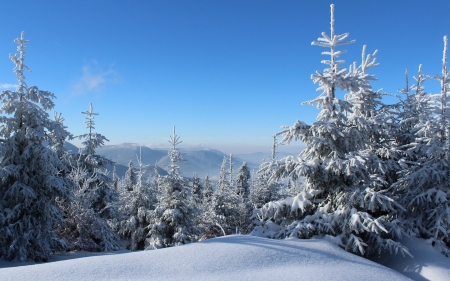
(427, 264)
(224, 258)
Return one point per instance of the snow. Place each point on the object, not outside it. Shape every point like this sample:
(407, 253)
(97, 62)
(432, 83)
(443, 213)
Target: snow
(428, 263)
(236, 257)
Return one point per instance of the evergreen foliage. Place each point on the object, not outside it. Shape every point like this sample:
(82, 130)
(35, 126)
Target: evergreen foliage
(173, 218)
(347, 194)
(94, 200)
(243, 176)
(137, 202)
(424, 177)
(30, 171)
(130, 176)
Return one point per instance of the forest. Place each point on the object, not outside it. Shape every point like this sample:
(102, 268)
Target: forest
(370, 174)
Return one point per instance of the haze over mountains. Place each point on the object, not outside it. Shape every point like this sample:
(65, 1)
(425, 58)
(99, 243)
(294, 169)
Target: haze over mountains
(202, 161)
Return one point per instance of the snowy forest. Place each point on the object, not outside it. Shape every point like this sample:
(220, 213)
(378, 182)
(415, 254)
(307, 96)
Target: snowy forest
(370, 174)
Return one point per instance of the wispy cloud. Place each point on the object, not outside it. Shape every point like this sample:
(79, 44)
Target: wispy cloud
(93, 79)
(6, 86)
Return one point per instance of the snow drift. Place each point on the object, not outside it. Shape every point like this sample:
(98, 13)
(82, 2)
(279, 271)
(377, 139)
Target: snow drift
(225, 258)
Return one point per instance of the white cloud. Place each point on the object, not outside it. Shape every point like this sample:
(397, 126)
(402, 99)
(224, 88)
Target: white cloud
(93, 79)
(7, 86)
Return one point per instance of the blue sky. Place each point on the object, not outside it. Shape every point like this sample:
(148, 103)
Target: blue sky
(228, 74)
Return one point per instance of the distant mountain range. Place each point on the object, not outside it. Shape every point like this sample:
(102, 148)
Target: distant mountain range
(201, 161)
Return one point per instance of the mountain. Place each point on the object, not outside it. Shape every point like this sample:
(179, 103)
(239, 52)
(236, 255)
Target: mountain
(255, 159)
(148, 170)
(202, 162)
(124, 153)
(70, 147)
(196, 160)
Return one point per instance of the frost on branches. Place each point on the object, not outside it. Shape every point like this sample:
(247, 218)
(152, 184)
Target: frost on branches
(173, 218)
(93, 203)
(346, 193)
(424, 177)
(29, 170)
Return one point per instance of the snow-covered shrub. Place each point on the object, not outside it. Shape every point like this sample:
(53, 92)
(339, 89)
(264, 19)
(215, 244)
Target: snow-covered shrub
(84, 229)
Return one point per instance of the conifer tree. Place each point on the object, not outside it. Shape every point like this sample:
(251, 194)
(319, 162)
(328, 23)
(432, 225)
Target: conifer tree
(173, 218)
(94, 200)
(224, 203)
(243, 176)
(136, 203)
(424, 178)
(197, 188)
(208, 191)
(102, 196)
(223, 182)
(130, 177)
(345, 194)
(115, 179)
(30, 172)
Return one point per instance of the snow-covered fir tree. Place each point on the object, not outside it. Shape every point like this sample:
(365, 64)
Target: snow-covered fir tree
(173, 217)
(96, 166)
(344, 195)
(245, 206)
(222, 212)
(263, 189)
(115, 179)
(424, 178)
(208, 188)
(130, 176)
(223, 182)
(242, 180)
(196, 188)
(136, 202)
(84, 229)
(30, 172)
(94, 199)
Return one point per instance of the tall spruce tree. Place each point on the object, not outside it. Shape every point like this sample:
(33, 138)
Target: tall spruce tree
(94, 199)
(101, 194)
(29, 170)
(344, 197)
(130, 176)
(424, 178)
(136, 203)
(173, 218)
(243, 176)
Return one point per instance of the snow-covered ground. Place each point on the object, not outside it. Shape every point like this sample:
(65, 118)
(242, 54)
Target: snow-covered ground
(427, 264)
(238, 257)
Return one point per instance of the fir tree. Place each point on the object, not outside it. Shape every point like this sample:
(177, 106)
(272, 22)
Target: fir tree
(208, 190)
(424, 178)
(197, 188)
(30, 172)
(223, 207)
(130, 177)
(102, 197)
(173, 217)
(94, 200)
(243, 176)
(223, 182)
(135, 207)
(345, 194)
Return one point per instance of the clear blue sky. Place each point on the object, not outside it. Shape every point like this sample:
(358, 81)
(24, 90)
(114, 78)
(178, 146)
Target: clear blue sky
(228, 74)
